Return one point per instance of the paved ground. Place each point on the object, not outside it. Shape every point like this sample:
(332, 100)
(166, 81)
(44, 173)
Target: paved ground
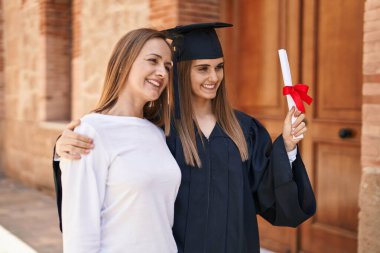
(30, 216)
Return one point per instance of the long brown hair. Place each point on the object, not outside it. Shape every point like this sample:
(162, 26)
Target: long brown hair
(222, 109)
(119, 66)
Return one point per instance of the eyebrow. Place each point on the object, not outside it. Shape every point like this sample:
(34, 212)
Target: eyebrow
(159, 56)
(207, 65)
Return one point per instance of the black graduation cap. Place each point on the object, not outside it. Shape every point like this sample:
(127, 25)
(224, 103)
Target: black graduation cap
(191, 42)
(196, 41)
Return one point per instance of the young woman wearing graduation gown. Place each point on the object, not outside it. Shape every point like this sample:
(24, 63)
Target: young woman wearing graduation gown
(231, 171)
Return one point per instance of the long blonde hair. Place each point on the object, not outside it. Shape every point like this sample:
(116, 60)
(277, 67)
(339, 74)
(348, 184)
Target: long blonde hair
(119, 66)
(222, 109)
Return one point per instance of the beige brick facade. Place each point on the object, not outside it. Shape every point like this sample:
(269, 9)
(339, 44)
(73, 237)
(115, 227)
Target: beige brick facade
(369, 196)
(55, 26)
(2, 85)
(24, 95)
(1, 66)
(55, 55)
(163, 13)
(52, 49)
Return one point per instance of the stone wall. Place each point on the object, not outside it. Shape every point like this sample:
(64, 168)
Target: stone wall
(97, 26)
(55, 26)
(2, 85)
(54, 57)
(163, 13)
(168, 13)
(2, 109)
(24, 94)
(191, 11)
(369, 197)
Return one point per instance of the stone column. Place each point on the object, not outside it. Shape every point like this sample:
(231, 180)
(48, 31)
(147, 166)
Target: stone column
(2, 103)
(369, 196)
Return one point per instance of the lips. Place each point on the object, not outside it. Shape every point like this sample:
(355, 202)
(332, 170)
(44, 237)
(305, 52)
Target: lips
(154, 83)
(209, 86)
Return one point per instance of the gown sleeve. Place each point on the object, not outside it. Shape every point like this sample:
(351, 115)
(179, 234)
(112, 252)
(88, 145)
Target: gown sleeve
(83, 191)
(57, 187)
(283, 194)
(171, 139)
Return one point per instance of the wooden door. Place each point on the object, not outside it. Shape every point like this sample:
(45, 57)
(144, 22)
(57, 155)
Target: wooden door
(332, 63)
(254, 77)
(324, 43)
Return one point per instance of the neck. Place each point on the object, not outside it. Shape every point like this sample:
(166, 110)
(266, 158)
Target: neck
(127, 106)
(202, 107)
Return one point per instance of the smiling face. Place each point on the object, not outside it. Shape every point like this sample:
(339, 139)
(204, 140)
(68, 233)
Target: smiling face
(149, 74)
(206, 76)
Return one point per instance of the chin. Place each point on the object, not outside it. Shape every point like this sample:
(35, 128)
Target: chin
(209, 96)
(153, 97)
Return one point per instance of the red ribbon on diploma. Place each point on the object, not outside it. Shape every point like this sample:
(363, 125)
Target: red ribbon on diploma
(299, 93)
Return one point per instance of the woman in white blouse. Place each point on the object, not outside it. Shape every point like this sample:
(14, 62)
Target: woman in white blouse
(120, 197)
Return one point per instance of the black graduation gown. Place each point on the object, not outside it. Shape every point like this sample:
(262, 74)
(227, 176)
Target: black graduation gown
(58, 188)
(216, 206)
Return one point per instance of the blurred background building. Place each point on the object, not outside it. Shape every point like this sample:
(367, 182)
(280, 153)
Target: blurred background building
(53, 56)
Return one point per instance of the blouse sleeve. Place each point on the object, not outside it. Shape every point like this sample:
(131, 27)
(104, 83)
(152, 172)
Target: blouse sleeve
(83, 191)
(283, 194)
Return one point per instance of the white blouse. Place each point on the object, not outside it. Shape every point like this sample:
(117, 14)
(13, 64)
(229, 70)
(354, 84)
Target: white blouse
(120, 197)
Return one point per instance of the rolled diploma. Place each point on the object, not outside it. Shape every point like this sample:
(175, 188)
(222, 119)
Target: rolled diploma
(285, 69)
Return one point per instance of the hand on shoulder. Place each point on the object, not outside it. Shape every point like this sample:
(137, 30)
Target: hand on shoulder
(71, 145)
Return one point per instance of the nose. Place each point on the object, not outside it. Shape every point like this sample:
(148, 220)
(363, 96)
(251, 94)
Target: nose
(213, 76)
(161, 71)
